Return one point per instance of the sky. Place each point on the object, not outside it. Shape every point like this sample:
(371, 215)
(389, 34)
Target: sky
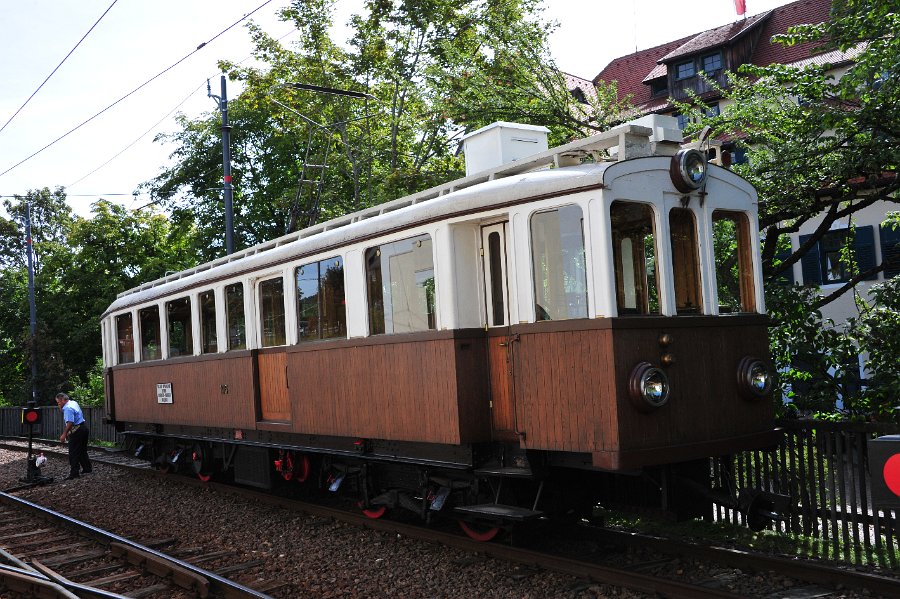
(133, 41)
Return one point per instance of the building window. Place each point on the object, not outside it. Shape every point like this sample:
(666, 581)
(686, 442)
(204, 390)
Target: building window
(734, 262)
(558, 260)
(208, 339)
(634, 255)
(890, 250)
(839, 256)
(712, 111)
(125, 336)
(271, 312)
(683, 70)
(321, 309)
(401, 286)
(149, 319)
(683, 121)
(659, 87)
(234, 316)
(178, 315)
(712, 62)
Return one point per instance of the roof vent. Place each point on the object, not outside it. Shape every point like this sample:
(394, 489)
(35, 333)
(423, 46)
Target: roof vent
(501, 143)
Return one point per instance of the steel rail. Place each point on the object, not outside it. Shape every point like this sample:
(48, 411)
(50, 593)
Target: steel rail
(227, 588)
(801, 569)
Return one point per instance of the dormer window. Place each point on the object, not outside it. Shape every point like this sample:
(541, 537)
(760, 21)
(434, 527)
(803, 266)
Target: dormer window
(712, 62)
(659, 87)
(683, 70)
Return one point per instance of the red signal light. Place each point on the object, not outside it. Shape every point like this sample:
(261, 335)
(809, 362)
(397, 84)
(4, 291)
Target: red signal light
(31, 415)
(892, 474)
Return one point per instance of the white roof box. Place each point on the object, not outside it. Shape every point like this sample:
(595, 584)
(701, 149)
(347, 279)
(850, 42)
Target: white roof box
(501, 143)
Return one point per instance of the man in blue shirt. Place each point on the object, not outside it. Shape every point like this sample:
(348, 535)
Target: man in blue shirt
(76, 432)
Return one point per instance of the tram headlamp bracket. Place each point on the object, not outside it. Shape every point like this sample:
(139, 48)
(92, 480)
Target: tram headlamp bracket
(648, 387)
(688, 170)
(755, 379)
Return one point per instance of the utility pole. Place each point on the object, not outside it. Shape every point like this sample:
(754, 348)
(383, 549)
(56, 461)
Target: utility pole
(32, 309)
(228, 190)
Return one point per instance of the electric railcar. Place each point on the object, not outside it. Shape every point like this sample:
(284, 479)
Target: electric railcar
(524, 340)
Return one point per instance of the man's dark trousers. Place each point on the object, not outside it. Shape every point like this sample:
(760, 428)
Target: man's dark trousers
(78, 442)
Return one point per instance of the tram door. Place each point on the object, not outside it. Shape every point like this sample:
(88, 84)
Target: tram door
(500, 342)
(271, 364)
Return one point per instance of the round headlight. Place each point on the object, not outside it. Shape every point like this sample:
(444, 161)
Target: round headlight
(755, 380)
(688, 170)
(648, 387)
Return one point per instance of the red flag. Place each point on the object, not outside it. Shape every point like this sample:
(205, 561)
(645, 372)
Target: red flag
(740, 6)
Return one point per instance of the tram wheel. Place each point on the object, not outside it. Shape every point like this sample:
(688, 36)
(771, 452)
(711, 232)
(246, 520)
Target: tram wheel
(479, 532)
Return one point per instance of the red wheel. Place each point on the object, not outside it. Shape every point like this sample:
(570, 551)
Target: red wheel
(374, 513)
(165, 468)
(301, 472)
(200, 463)
(286, 466)
(479, 533)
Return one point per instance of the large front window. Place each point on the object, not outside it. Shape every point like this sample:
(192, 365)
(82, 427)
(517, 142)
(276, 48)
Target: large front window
(635, 257)
(558, 263)
(321, 310)
(685, 261)
(734, 263)
(401, 287)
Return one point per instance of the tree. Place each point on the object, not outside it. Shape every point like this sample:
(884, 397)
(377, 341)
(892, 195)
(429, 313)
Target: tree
(432, 70)
(81, 265)
(822, 147)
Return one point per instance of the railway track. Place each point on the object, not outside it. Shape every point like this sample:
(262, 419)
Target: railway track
(653, 575)
(48, 554)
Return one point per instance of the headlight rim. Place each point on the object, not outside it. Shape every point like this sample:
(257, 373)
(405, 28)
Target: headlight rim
(679, 173)
(745, 375)
(636, 387)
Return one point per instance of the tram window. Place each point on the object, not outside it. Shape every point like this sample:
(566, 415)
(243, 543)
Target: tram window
(234, 316)
(734, 263)
(149, 319)
(685, 261)
(271, 312)
(634, 254)
(558, 260)
(178, 315)
(125, 337)
(400, 285)
(208, 341)
(321, 310)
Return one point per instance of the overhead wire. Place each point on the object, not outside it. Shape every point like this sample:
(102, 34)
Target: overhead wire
(138, 88)
(155, 125)
(57, 67)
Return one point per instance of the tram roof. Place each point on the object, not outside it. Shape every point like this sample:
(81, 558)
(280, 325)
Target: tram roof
(479, 191)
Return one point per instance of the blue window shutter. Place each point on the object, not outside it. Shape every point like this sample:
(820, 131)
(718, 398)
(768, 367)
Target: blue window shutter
(811, 264)
(787, 276)
(864, 248)
(890, 250)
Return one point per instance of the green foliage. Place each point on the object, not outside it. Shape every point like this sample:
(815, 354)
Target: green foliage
(823, 141)
(81, 264)
(90, 391)
(433, 70)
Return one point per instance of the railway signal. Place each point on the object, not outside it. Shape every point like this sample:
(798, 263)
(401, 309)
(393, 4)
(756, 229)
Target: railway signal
(31, 415)
(884, 471)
